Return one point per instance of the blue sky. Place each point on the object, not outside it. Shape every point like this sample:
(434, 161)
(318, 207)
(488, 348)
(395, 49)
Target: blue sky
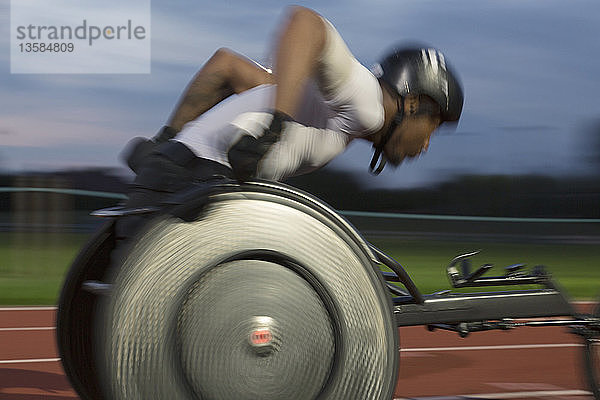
(529, 70)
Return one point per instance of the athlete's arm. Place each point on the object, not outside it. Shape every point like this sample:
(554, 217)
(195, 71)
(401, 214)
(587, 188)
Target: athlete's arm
(302, 149)
(309, 47)
(224, 74)
(297, 54)
(299, 150)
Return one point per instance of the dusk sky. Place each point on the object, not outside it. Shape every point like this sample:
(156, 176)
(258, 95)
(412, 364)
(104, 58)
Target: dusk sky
(529, 70)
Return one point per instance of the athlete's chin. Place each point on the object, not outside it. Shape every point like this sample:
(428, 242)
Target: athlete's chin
(395, 161)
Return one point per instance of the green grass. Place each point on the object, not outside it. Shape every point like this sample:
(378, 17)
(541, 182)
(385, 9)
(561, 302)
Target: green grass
(33, 265)
(29, 290)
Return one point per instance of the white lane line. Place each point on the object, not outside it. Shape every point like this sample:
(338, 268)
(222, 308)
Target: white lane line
(33, 328)
(29, 360)
(499, 347)
(502, 396)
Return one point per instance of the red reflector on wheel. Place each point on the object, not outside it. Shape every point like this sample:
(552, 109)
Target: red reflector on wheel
(261, 337)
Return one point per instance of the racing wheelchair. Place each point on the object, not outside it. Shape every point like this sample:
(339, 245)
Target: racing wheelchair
(261, 291)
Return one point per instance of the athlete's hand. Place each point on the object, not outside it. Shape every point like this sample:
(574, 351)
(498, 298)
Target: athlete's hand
(245, 155)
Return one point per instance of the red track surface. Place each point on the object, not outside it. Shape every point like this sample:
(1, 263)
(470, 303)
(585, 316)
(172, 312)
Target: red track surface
(431, 363)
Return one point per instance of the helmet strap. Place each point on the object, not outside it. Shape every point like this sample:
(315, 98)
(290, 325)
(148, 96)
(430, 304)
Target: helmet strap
(378, 156)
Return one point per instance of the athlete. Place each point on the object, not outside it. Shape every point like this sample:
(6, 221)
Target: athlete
(237, 119)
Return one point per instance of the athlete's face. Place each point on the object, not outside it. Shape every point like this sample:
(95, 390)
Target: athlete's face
(410, 138)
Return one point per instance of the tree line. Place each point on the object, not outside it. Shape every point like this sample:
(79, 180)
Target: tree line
(478, 195)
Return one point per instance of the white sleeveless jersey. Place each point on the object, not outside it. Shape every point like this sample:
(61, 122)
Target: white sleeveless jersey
(320, 132)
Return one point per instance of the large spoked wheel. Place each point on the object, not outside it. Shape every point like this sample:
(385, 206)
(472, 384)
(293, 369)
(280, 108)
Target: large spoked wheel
(592, 356)
(76, 314)
(260, 296)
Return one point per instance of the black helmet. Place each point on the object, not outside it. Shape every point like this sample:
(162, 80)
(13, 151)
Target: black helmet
(414, 70)
(421, 69)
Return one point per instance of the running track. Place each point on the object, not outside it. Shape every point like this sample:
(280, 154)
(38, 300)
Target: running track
(527, 363)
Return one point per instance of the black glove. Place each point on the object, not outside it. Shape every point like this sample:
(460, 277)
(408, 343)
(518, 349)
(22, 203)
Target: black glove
(247, 152)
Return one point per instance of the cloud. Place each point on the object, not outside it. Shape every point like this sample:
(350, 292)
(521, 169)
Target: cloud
(47, 130)
(528, 128)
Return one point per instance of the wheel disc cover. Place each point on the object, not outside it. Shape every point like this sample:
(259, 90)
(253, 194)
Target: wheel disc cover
(224, 309)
